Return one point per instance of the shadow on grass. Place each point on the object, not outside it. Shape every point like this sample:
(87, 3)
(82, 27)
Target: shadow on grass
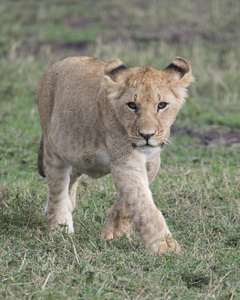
(20, 208)
(195, 279)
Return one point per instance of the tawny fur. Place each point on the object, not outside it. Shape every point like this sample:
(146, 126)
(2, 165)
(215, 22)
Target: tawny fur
(89, 128)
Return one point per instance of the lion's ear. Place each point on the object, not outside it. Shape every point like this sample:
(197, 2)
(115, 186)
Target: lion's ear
(113, 69)
(180, 71)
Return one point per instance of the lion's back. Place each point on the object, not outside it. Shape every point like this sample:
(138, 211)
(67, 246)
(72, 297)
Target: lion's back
(71, 84)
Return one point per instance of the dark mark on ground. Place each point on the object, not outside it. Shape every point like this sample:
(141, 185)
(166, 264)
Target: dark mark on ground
(78, 45)
(80, 22)
(212, 137)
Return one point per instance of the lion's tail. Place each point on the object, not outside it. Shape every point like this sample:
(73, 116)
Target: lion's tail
(40, 159)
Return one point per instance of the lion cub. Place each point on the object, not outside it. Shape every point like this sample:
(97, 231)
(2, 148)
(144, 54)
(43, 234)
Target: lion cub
(98, 118)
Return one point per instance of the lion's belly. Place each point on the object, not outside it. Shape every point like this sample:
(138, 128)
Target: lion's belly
(80, 144)
(92, 162)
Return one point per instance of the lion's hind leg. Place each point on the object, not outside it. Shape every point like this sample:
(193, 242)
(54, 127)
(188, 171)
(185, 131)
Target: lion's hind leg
(59, 206)
(74, 179)
(118, 222)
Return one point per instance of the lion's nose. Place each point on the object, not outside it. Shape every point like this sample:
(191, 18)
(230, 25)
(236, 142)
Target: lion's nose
(146, 136)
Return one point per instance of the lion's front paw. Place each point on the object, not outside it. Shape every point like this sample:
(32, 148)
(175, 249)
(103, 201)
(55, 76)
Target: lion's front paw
(109, 233)
(168, 244)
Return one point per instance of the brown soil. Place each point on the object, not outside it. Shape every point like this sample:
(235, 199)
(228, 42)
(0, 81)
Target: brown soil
(212, 137)
(80, 22)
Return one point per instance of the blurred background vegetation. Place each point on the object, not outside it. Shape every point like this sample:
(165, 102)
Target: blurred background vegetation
(198, 185)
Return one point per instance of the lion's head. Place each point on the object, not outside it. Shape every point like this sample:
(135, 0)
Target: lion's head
(145, 101)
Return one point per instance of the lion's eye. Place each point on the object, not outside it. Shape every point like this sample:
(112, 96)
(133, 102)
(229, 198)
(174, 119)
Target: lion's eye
(132, 105)
(162, 105)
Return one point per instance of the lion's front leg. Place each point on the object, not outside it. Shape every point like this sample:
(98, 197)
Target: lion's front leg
(131, 182)
(118, 222)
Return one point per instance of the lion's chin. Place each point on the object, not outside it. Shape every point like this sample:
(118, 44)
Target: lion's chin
(147, 149)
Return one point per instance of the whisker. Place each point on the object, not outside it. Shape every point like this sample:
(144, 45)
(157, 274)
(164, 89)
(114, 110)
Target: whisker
(170, 141)
(168, 150)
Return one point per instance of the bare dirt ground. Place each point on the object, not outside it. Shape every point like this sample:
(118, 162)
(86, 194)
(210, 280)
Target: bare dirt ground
(213, 137)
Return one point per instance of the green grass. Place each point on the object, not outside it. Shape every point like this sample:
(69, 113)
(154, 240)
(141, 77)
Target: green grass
(197, 188)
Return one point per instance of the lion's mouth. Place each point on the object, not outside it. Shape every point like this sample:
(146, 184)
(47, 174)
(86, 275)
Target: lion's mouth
(147, 145)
